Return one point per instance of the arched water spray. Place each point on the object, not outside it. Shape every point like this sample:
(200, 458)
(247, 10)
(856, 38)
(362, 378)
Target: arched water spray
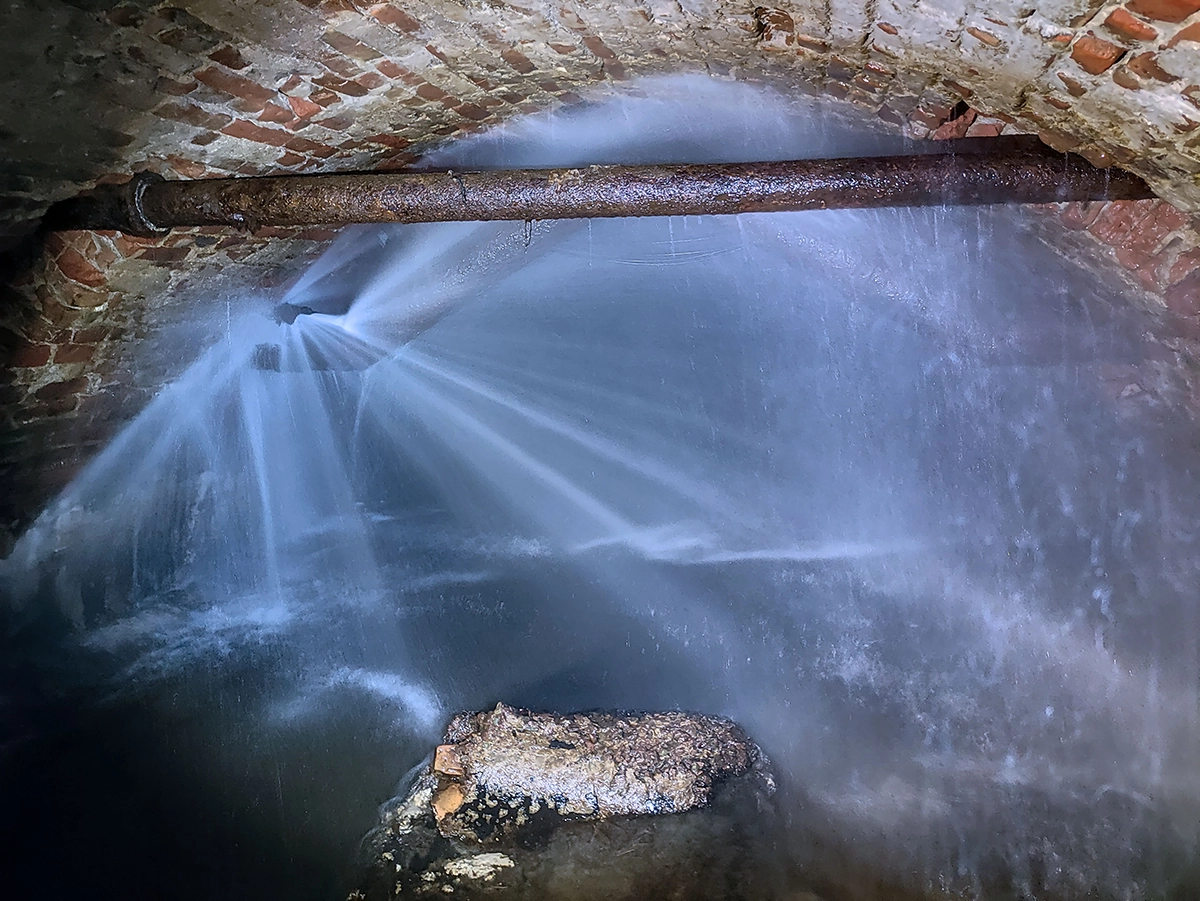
(854, 479)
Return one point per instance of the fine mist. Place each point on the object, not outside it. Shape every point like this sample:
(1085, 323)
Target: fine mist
(858, 480)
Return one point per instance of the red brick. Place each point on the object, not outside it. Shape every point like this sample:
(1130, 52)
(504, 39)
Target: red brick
(74, 266)
(1191, 33)
(398, 160)
(131, 244)
(394, 141)
(229, 57)
(341, 85)
(1164, 10)
(316, 234)
(1125, 79)
(985, 129)
(1185, 265)
(1183, 297)
(294, 81)
(1119, 219)
(58, 390)
(74, 353)
(1123, 25)
(955, 128)
(289, 159)
(202, 140)
(371, 80)
(30, 357)
(1074, 88)
(92, 335)
(274, 113)
(389, 69)
(187, 168)
(192, 115)
(312, 148)
(236, 86)
(611, 65)
(240, 128)
(395, 18)
(517, 60)
(925, 118)
(471, 111)
(164, 255)
(1095, 55)
(125, 16)
(1161, 219)
(428, 91)
(1151, 271)
(350, 47)
(332, 9)
(324, 98)
(1146, 65)
(56, 241)
(336, 123)
(165, 85)
(105, 253)
(302, 108)
(863, 81)
(984, 36)
(887, 28)
(1081, 215)
(1061, 142)
(340, 65)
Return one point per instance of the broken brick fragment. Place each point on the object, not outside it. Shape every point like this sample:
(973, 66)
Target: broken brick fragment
(1095, 55)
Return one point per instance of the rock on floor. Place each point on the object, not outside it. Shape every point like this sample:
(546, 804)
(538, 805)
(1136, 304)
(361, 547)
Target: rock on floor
(584, 806)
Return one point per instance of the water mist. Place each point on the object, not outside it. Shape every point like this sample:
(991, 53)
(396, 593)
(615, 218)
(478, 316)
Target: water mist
(854, 479)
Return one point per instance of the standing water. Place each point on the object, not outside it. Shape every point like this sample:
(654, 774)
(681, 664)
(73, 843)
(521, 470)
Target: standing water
(854, 479)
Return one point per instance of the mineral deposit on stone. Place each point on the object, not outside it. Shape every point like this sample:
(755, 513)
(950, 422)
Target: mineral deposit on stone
(501, 768)
(518, 805)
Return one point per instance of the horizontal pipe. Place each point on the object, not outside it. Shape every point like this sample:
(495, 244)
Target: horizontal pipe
(970, 172)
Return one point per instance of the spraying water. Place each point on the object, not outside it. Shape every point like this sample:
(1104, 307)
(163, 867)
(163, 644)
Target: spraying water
(854, 479)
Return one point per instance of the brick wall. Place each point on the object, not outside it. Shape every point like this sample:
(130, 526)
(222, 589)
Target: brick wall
(198, 88)
(98, 323)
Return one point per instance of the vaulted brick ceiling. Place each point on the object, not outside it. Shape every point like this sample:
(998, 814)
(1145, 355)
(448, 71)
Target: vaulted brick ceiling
(93, 323)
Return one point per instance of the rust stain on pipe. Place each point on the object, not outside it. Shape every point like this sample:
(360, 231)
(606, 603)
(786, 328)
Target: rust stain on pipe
(972, 172)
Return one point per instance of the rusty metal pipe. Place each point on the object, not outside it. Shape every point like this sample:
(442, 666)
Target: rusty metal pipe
(971, 172)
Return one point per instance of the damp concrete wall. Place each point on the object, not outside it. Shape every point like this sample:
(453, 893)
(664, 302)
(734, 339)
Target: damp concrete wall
(92, 324)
